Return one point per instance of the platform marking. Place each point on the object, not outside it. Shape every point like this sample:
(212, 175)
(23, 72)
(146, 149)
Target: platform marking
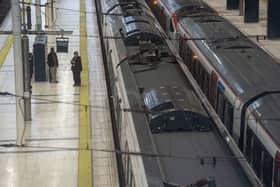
(85, 163)
(5, 49)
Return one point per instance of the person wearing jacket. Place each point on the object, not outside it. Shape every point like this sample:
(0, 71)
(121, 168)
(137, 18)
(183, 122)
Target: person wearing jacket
(76, 67)
(53, 65)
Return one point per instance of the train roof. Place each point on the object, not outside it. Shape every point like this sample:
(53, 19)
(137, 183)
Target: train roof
(194, 143)
(247, 69)
(268, 115)
(139, 28)
(148, 71)
(180, 7)
(197, 150)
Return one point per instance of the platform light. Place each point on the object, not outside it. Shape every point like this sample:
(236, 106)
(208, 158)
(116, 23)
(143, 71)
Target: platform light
(155, 2)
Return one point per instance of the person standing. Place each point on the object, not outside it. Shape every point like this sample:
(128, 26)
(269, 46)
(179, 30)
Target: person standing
(53, 65)
(76, 67)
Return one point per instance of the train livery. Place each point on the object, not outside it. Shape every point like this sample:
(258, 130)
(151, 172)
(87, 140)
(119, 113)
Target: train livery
(166, 136)
(239, 79)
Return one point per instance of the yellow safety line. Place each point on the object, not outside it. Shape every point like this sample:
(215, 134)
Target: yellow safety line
(84, 168)
(6, 47)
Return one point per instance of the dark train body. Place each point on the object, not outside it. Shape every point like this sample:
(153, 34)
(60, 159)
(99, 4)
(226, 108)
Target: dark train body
(156, 109)
(239, 79)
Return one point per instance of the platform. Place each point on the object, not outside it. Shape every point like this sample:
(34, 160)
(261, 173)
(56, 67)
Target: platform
(54, 154)
(270, 46)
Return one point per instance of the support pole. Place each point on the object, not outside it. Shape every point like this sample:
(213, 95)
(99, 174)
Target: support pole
(18, 72)
(38, 16)
(251, 11)
(27, 78)
(52, 11)
(241, 7)
(273, 17)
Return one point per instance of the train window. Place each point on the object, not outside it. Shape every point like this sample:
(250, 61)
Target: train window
(248, 151)
(206, 84)
(257, 148)
(200, 75)
(181, 47)
(196, 67)
(267, 169)
(188, 60)
(171, 28)
(220, 105)
(228, 116)
(213, 89)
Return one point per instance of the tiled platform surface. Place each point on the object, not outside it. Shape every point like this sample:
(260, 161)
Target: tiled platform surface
(271, 46)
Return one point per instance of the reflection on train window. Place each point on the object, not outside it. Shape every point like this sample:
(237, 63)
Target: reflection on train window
(267, 169)
(171, 28)
(220, 105)
(248, 151)
(257, 156)
(206, 84)
(228, 116)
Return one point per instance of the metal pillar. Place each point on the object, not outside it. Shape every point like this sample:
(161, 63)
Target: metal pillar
(251, 11)
(27, 80)
(273, 17)
(18, 72)
(232, 4)
(241, 7)
(52, 11)
(38, 16)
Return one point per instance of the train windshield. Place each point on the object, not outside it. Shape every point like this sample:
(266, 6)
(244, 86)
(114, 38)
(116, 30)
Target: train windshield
(176, 121)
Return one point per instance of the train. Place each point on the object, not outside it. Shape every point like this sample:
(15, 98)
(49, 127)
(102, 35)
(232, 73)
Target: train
(167, 138)
(239, 79)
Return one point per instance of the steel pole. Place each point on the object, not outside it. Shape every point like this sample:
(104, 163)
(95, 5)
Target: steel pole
(18, 72)
(241, 7)
(38, 15)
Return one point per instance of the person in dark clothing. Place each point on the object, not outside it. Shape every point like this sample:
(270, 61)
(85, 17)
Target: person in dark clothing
(76, 67)
(53, 65)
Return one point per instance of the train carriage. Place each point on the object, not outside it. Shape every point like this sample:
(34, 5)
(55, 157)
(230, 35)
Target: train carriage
(157, 111)
(239, 79)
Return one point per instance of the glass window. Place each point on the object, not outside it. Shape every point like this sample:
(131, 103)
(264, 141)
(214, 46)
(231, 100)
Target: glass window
(220, 105)
(228, 113)
(257, 149)
(248, 151)
(267, 169)
(171, 28)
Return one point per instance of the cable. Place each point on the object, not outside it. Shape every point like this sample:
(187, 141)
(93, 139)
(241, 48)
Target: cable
(131, 110)
(205, 159)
